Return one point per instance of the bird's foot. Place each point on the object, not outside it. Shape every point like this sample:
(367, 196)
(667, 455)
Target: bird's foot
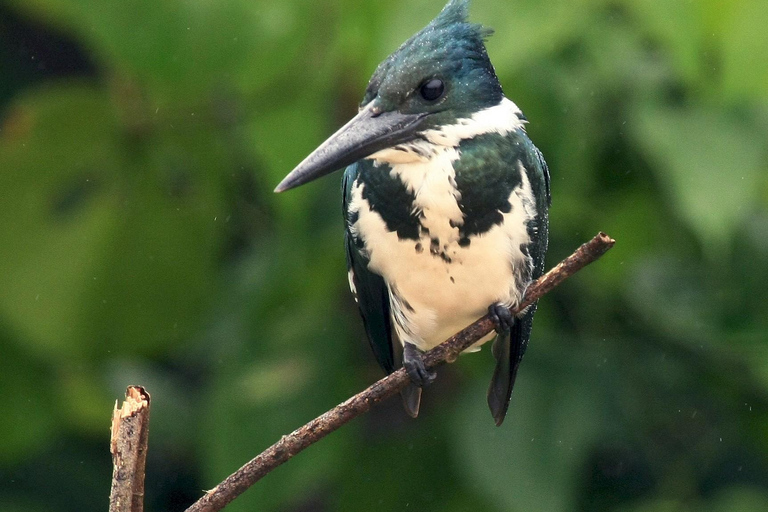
(413, 362)
(502, 318)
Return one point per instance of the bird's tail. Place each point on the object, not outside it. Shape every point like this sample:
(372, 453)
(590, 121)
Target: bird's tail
(411, 396)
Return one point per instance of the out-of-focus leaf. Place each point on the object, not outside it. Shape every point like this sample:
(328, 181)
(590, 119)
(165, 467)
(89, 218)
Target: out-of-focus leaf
(710, 165)
(530, 29)
(28, 422)
(55, 157)
(181, 50)
(657, 505)
(677, 27)
(9, 504)
(105, 247)
(302, 127)
(531, 462)
(731, 499)
(274, 373)
(407, 464)
(248, 410)
(745, 61)
(673, 298)
(85, 413)
(740, 499)
(638, 223)
(244, 420)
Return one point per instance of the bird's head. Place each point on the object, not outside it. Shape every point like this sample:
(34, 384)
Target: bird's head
(439, 75)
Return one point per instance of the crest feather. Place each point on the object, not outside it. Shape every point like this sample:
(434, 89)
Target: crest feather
(457, 12)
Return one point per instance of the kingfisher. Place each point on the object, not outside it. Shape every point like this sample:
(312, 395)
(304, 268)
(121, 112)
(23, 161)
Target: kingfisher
(445, 204)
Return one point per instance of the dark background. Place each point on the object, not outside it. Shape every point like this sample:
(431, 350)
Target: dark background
(140, 242)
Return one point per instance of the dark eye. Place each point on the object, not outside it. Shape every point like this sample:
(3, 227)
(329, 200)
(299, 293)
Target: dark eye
(432, 90)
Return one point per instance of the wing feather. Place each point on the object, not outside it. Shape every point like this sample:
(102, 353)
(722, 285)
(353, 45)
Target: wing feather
(509, 348)
(370, 289)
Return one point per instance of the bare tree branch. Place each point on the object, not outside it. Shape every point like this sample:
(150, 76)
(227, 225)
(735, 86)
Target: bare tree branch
(291, 444)
(130, 430)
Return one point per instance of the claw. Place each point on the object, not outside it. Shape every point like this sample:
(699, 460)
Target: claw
(501, 317)
(413, 362)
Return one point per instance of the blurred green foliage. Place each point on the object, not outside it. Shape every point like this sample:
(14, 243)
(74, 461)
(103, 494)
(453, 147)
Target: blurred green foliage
(140, 243)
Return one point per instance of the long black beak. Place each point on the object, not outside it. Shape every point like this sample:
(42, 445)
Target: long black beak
(368, 132)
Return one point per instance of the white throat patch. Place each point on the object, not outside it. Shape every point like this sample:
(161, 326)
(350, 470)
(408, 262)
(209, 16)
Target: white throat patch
(502, 119)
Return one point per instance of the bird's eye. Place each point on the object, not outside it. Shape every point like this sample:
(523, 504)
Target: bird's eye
(432, 90)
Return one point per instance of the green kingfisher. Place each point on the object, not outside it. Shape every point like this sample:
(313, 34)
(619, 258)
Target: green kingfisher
(445, 202)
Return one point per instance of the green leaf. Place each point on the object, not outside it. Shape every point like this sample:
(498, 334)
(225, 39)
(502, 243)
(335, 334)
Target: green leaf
(55, 148)
(710, 164)
(106, 246)
(740, 498)
(531, 462)
(745, 61)
(730, 499)
(677, 27)
(531, 29)
(182, 50)
(28, 422)
(302, 126)
(253, 401)
(675, 297)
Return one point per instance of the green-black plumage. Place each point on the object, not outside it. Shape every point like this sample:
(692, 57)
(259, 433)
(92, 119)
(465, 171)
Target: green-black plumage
(442, 181)
(484, 187)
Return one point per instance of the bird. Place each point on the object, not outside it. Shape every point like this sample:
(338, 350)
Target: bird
(445, 204)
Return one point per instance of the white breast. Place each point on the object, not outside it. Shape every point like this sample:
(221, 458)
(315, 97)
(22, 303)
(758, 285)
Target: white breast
(437, 290)
(433, 295)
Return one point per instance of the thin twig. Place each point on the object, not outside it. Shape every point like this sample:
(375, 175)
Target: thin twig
(291, 444)
(130, 430)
